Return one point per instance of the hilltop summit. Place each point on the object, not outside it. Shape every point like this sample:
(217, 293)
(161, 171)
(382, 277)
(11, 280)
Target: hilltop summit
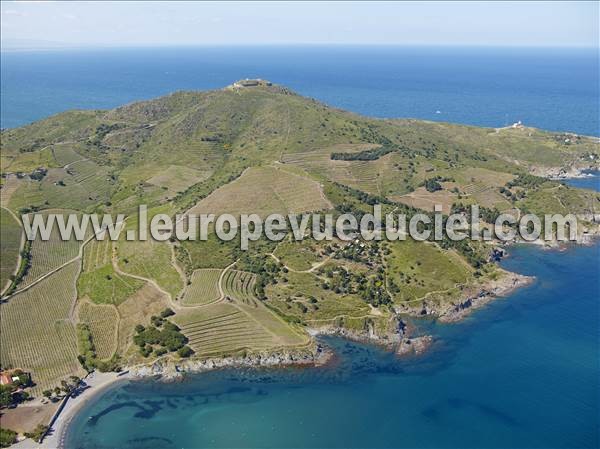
(256, 82)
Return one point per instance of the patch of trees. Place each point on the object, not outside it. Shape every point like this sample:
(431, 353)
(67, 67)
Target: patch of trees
(103, 129)
(38, 433)
(37, 144)
(464, 247)
(65, 389)
(38, 174)
(87, 353)
(23, 267)
(370, 287)
(366, 155)
(213, 138)
(7, 437)
(161, 337)
(363, 197)
(13, 393)
(507, 193)
(489, 215)
(526, 180)
(433, 184)
(265, 268)
(364, 252)
(374, 292)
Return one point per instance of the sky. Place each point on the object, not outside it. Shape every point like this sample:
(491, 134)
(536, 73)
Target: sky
(137, 23)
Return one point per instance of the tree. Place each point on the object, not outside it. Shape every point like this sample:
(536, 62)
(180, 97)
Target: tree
(167, 312)
(7, 437)
(185, 351)
(38, 433)
(47, 393)
(5, 395)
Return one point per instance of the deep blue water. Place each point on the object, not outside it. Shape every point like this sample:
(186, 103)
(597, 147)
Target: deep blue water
(555, 89)
(522, 372)
(591, 182)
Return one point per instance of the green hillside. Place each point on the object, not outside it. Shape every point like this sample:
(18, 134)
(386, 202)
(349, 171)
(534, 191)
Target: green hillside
(259, 149)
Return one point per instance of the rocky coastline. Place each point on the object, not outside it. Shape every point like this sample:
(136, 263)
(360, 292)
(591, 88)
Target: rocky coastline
(562, 173)
(472, 299)
(169, 370)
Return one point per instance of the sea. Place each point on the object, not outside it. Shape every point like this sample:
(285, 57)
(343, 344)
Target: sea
(553, 89)
(524, 371)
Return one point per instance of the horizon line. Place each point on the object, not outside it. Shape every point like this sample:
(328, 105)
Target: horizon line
(50, 46)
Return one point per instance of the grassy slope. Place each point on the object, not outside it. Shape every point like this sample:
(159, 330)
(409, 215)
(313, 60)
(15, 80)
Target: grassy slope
(139, 154)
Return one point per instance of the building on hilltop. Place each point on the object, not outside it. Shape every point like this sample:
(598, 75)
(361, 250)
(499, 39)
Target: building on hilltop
(250, 83)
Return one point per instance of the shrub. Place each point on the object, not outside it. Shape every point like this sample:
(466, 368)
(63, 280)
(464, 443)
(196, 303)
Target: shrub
(7, 437)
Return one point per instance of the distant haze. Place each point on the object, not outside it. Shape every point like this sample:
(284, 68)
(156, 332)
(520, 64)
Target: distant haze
(80, 24)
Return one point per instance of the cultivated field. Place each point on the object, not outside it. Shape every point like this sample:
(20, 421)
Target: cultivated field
(265, 190)
(37, 333)
(222, 329)
(240, 285)
(204, 287)
(9, 186)
(231, 326)
(97, 253)
(103, 322)
(51, 254)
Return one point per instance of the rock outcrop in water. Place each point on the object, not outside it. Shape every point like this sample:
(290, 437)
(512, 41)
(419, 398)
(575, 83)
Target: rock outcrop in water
(173, 370)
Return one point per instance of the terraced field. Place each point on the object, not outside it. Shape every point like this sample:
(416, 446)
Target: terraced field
(264, 191)
(37, 333)
(103, 322)
(240, 285)
(10, 244)
(204, 287)
(51, 254)
(222, 329)
(228, 327)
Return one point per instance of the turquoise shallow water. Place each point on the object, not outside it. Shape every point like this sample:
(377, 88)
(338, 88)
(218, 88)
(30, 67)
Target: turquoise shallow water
(522, 372)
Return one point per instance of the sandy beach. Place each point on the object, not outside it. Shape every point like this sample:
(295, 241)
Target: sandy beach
(95, 383)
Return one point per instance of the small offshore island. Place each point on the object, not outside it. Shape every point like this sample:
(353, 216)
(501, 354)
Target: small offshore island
(130, 309)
